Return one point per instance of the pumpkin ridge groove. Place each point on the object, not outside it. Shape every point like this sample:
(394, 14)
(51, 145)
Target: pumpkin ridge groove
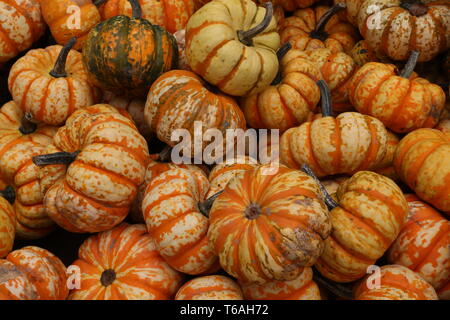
(348, 251)
(261, 71)
(234, 70)
(9, 43)
(26, 89)
(131, 152)
(312, 155)
(206, 62)
(373, 149)
(41, 111)
(440, 27)
(368, 102)
(387, 30)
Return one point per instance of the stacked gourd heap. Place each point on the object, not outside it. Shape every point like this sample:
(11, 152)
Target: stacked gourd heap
(78, 148)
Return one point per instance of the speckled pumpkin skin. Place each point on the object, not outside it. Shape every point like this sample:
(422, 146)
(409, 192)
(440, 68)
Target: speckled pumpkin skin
(289, 103)
(301, 288)
(126, 55)
(371, 212)
(210, 288)
(7, 227)
(386, 166)
(296, 29)
(397, 283)
(422, 161)
(32, 273)
(285, 234)
(21, 24)
(18, 170)
(101, 184)
(214, 51)
(423, 244)
(48, 99)
(140, 272)
(403, 105)
(328, 145)
(172, 217)
(170, 14)
(58, 14)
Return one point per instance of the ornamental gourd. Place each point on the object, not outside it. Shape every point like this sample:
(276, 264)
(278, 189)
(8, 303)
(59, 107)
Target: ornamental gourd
(422, 161)
(171, 209)
(123, 264)
(21, 24)
(290, 99)
(7, 221)
(396, 283)
(367, 218)
(126, 55)
(232, 44)
(319, 27)
(403, 102)
(70, 18)
(210, 288)
(346, 144)
(267, 227)
(301, 288)
(50, 84)
(170, 14)
(423, 244)
(106, 159)
(32, 273)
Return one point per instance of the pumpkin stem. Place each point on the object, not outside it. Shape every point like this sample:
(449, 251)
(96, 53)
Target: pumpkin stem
(329, 201)
(59, 70)
(164, 155)
(107, 278)
(280, 55)
(246, 37)
(410, 65)
(98, 3)
(340, 290)
(206, 205)
(136, 9)
(26, 126)
(8, 194)
(55, 158)
(325, 94)
(252, 211)
(319, 31)
(415, 7)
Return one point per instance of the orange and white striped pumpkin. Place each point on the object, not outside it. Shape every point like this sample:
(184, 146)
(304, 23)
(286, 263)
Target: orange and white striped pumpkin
(386, 166)
(7, 227)
(123, 264)
(210, 288)
(32, 273)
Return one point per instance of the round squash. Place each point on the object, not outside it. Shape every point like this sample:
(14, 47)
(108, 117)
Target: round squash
(106, 159)
(396, 283)
(423, 244)
(126, 55)
(50, 84)
(267, 227)
(32, 273)
(422, 161)
(21, 24)
(368, 217)
(232, 44)
(7, 221)
(210, 288)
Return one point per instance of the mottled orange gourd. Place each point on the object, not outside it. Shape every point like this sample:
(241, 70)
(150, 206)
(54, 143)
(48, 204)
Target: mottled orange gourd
(123, 264)
(210, 288)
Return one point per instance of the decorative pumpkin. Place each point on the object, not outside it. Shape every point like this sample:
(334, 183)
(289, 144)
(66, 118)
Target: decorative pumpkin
(210, 288)
(179, 98)
(32, 273)
(70, 18)
(51, 95)
(20, 140)
(106, 158)
(398, 27)
(232, 44)
(170, 14)
(349, 143)
(7, 221)
(123, 264)
(361, 53)
(422, 161)
(423, 244)
(290, 99)
(402, 102)
(301, 288)
(21, 24)
(126, 55)
(319, 27)
(396, 283)
(173, 218)
(368, 217)
(386, 167)
(267, 227)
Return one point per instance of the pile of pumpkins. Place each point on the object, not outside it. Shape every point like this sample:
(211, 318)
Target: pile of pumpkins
(363, 171)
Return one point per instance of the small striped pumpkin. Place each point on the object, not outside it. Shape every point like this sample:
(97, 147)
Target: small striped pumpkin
(210, 288)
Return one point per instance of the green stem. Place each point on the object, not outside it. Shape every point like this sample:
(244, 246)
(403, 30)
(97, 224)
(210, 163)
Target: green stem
(65, 158)
(59, 70)
(280, 54)
(319, 31)
(329, 201)
(410, 65)
(8, 194)
(326, 104)
(246, 36)
(136, 9)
